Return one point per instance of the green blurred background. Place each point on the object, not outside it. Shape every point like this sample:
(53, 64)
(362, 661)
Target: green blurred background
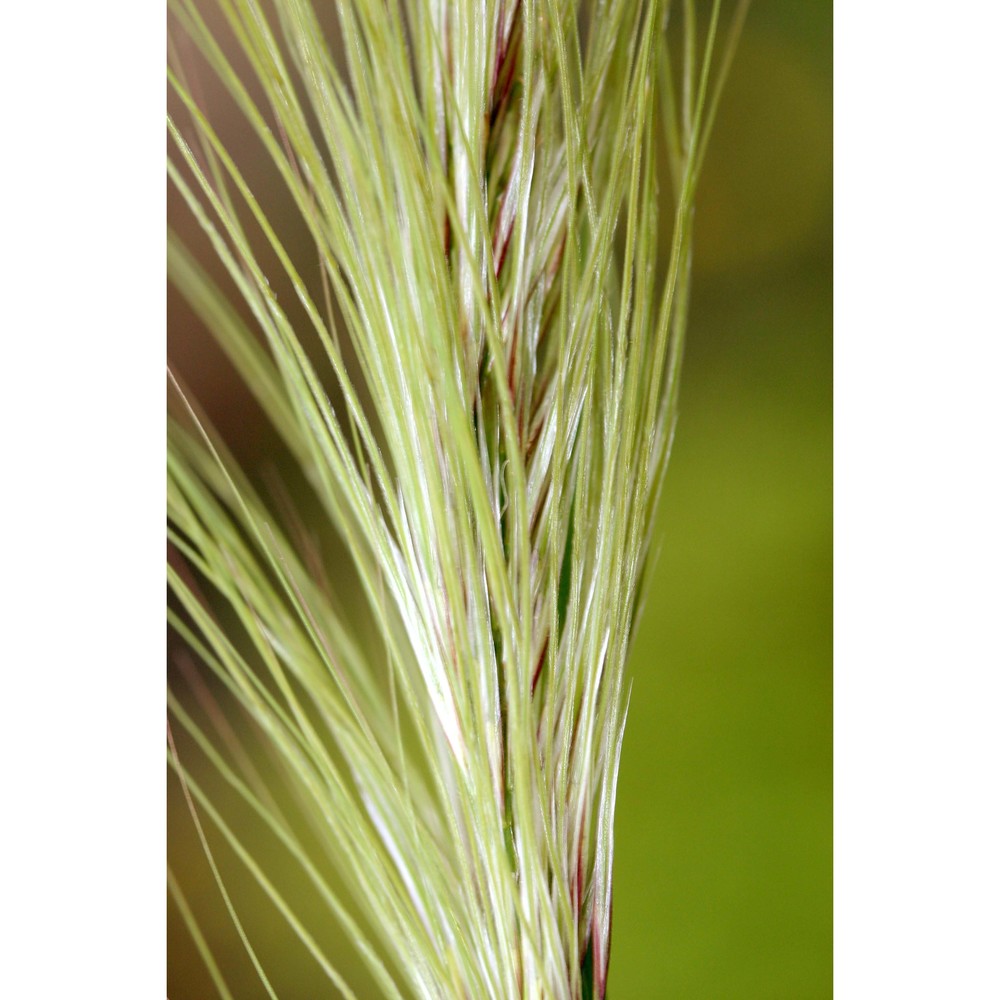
(724, 861)
(723, 877)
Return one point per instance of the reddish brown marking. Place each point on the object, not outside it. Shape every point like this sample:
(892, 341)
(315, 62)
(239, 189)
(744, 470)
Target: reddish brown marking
(510, 63)
(539, 665)
(501, 48)
(498, 262)
(513, 359)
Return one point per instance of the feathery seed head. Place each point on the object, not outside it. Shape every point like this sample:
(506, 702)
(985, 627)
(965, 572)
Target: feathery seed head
(503, 329)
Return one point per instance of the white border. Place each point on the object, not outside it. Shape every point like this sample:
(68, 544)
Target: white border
(83, 334)
(917, 501)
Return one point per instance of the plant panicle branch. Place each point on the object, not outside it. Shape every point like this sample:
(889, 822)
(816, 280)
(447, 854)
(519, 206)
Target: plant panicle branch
(476, 377)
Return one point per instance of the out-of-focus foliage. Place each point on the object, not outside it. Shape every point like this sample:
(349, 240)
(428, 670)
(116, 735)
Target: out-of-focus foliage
(724, 873)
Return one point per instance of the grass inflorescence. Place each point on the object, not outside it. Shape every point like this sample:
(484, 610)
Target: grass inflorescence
(475, 375)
